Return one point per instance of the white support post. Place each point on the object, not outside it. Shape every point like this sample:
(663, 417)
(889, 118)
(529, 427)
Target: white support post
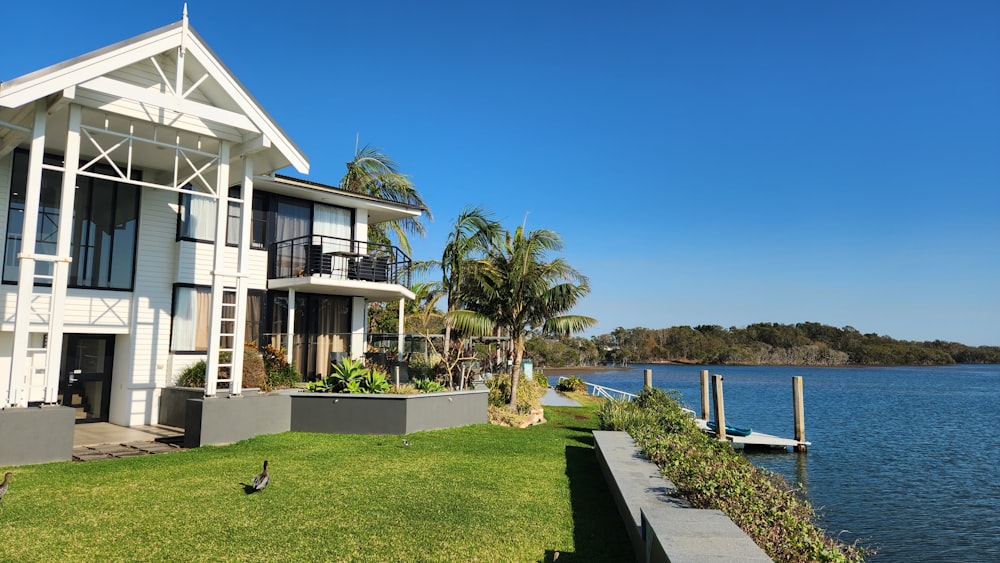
(291, 325)
(219, 280)
(401, 336)
(239, 331)
(17, 387)
(60, 273)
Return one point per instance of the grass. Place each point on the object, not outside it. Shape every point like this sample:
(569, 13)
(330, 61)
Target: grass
(478, 493)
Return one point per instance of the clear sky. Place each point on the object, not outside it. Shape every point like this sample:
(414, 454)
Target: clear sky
(706, 162)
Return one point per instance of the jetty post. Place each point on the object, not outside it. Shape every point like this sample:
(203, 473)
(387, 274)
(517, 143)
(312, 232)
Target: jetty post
(720, 409)
(799, 416)
(647, 378)
(704, 394)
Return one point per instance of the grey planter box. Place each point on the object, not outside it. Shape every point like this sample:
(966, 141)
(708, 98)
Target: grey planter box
(173, 403)
(36, 434)
(338, 413)
(224, 420)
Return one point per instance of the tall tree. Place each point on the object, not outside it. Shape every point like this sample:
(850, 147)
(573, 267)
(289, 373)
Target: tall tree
(374, 173)
(473, 234)
(516, 288)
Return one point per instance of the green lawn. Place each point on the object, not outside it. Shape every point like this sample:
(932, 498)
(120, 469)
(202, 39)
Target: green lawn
(479, 493)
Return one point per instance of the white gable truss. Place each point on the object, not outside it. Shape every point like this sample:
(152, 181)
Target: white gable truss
(161, 102)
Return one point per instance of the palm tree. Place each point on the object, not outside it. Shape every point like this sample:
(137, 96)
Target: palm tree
(472, 235)
(514, 288)
(374, 173)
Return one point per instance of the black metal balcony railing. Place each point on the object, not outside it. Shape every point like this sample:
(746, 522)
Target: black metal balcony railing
(339, 258)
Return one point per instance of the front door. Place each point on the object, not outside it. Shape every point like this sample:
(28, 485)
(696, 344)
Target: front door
(85, 378)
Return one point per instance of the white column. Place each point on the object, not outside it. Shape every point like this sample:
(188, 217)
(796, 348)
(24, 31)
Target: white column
(219, 280)
(17, 383)
(242, 263)
(60, 273)
(401, 331)
(290, 324)
(359, 326)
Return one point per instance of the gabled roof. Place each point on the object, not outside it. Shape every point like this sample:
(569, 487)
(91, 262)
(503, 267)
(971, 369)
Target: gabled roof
(224, 99)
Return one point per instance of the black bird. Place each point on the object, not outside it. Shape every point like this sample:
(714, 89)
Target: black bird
(260, 481)
(5, 484)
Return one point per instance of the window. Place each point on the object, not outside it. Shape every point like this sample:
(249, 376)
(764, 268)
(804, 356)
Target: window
(191, 318)
(197, 217)
(258, 234)
(105, 227)
(255, 316)
(234, 225)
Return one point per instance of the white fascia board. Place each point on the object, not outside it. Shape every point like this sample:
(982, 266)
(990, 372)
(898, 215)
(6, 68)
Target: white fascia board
(170, 102)
(213, 65)
(41, 83)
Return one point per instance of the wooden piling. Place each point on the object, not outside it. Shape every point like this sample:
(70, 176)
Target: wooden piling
(799, 410)
(647, 378)
(704, 394)
(720, 409)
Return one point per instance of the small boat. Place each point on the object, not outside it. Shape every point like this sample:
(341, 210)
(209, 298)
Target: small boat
(731, 430)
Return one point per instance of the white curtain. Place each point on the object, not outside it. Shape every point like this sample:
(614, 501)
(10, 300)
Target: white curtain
(199, 217)
(185, 333)
(334, 222)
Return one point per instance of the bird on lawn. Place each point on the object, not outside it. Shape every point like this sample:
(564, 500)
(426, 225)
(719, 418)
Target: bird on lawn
(260, 481)
(406, 442)
(5, 484)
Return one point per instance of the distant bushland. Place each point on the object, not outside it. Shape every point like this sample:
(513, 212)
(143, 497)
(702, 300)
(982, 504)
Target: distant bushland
(802, 344)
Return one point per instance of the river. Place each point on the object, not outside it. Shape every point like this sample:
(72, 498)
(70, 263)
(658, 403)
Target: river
(903, 459)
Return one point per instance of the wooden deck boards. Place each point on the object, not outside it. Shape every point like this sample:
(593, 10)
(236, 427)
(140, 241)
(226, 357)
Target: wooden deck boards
(756, 439)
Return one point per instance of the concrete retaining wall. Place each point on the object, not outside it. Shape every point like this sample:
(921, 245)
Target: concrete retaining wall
(662, 527)
(223, 420)
(338, 413)
(173, 403)
(36, 435)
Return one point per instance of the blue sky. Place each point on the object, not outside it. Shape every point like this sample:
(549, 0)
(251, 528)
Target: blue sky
(705, 162)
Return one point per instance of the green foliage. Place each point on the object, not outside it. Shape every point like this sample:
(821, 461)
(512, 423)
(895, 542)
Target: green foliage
(428, 386)
(529, 393)
(193, 375)
(710, 474)
(352, 376)
(280, 374)
(804, 344)
(571, 384)
(254, 374)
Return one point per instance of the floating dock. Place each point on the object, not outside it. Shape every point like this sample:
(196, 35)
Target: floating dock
(756, 439)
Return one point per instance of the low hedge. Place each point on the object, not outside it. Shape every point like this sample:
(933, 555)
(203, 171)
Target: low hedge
(710, 474)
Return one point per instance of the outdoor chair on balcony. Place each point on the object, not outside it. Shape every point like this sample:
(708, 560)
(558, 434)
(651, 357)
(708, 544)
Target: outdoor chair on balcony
(369, 268)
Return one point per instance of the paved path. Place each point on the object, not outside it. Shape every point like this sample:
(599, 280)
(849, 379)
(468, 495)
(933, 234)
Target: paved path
(553, 398)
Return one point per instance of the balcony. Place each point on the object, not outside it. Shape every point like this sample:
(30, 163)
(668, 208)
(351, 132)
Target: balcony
(339, 266)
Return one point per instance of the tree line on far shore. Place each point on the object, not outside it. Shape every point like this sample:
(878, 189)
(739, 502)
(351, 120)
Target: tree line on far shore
(802, 344)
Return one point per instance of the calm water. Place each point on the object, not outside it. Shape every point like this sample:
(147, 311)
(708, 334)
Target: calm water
(906, 460)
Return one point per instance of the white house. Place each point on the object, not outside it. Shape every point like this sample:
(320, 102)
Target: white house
(145, 228)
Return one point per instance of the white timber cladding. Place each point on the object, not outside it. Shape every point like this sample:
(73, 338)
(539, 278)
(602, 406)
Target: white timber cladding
(155, 272)
(194, 264)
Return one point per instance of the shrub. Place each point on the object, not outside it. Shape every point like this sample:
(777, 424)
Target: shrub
(710, 474)
(193, 375)
(255, 372)
(280, 374)
(571, 384)
(529, 393)
(541, 380)
(352, 376)
(428, 386)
